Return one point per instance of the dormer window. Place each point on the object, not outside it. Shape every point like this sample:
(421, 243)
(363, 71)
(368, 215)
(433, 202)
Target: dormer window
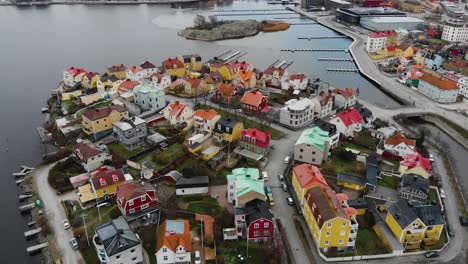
(115, 177)
(102, 181)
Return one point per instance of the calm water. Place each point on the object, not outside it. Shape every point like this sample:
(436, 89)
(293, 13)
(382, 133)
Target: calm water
(36, 44)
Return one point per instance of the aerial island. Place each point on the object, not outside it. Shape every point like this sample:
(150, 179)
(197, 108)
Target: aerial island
(211, 29)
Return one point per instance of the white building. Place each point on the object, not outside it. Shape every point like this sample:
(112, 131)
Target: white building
(313, 146)
(179, 115)
(439, 90)
(135, 73)
(174, 242)
(205, 121)
(116, 243)
(399, 145)
(194, 185)
(402, 35)
(297, 113)
(149, 98)
(463, 85)
(296, 82)
(90, 155)
(348, 123)
(73, 76)
(345, 98)
(378, 40)
(160, 80)
(455, 31)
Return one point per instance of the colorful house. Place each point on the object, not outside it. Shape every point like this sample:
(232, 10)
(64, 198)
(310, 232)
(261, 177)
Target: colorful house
(135, 73)
(160, 81)
(149, 98)
(255, 141)
(438, 89)
(195, 87)
(415, 163)
(225, 93)
(304, 177)
(412, 6)
(296, 82)
(255, 220)
(107, 83)
(149, 68)
(351, 181)
(274, 76)
(380, 40)
(413, 77)
(243, 66)
(89, 80)
(89, 155)
(73, 76)
(71, 95)
(119, 71)
(228, 71)
(245, 185)
(246, 79)
(254, 102)
(134, 198)
(91, 98)
(330, 220)
(213, 79)
(174, 242)
(228, 129)
(345, 98)
(98, 122)
(205, 121)
(179, 115)
(403, 51)
(297, 113)
(127, 86)
(192, 62)
(433, 219)
(348, 122)
(105, 181)
(312, 146)
(174, 67)
(399, 145)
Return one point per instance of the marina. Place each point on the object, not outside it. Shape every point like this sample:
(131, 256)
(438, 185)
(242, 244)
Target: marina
(315, 50)
(335, 59)
(342, 70)
(321, 37)
(37, 247)
(28, 234)
(26, 208)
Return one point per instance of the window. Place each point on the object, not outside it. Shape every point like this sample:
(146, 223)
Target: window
(266, 225)
(143, 207)
(164, 250)
(340, 241)
(342, 233)
(326, 242)
(256, 225)
(300, 156)
(266, 233)
(256, 233)
(143, 198)
(117, 257)
(328, 234)
(132, 210)
(313, 152)
(165, 257)
(130, 202)
(133, 259)
(329, 225)
(301, 150)
(343, 224)
(132, 251)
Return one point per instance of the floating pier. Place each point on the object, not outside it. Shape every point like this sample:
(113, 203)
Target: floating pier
(283, 64)
(321, 37)
(335, 59)
(32, 223)
(342, 70)
(23, 197)
(249, 10)
(44, 110)
(315, 50)
(303, 23)
(18, 182)
(36, 247)
(24, 171)
(32, 232)
(297, 17)
(250, 14)
(26, 207)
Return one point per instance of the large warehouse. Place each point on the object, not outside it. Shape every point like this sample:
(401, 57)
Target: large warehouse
(390, 23)
(354, 15)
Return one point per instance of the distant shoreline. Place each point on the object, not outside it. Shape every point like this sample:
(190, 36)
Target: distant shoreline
(97, 2)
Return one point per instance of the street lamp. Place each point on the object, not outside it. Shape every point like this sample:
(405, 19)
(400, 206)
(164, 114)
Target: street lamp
(86, 230)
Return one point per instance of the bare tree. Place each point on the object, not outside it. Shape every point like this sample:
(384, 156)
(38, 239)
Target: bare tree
(199, 21)
(213, 20)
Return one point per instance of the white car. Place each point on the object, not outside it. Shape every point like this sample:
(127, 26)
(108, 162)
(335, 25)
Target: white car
(442, 193)
(265, 175)
(197, 257)
(287, 159)
(431, 157)
(66, 224)
(239, 110)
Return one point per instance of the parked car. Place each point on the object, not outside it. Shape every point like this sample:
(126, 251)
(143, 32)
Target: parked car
(74, 243)
(431, 157)
(432, 254)
(290, 200)
(463, 220)
(66, 224)
(239, 110)
(287, 159)
(268, 191)
(281, 177)
(284, 187)
(450, 231)
(265, 175)
(197, 257)
(271, 200)
(442, 193)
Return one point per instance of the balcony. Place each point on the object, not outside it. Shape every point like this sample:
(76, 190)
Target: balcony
(351, 242)
(354, 225)
(352, 233)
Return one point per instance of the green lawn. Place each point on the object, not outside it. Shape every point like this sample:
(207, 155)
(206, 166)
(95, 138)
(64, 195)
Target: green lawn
(258, 253)
(79, 113)
(200, 204)
(368, 243)
(120, 149)
(433, 196)
(275, 134)
(340, 165)
(389, 181)
(351, 145)
(59, 174)
(160, 158)
(366, 141)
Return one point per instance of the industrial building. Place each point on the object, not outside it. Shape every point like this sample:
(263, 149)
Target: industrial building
(354, 15)
(455, 31)
(311, 3)
(334, 4)
(390, 23)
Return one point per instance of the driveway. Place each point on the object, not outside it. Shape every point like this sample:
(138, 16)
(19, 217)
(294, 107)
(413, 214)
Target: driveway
(56, 214)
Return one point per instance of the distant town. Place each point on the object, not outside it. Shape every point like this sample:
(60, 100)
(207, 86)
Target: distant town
(213, 160)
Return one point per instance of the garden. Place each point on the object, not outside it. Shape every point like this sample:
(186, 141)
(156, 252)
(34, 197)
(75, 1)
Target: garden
(61, 172)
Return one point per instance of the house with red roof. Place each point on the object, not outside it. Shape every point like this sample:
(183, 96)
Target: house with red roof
(98, 122)
(296, 82)
(274, 76)
(345, 98)
(174, 67)
(304, 177)
(255, 141)
(174, 242)
(195, 87)
(254, 102)
(438, 89)
(415, 163)
(128, 86)
(243, 65)
(136, 199)
(179, 115)
(103, 183)
(348, 122)
(205, 121)
(380, 40)
(398, 145)
(225, 93)
(135, 73)
(73, 76)
(245, 79)
(160, 81)
(149, 68)
(228, 71)
(89, 80)
(90, 155)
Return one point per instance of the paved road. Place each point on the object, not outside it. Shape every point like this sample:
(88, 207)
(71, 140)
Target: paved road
(56, 215)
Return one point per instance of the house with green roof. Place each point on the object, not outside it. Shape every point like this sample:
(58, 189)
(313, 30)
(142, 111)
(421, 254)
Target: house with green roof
(149, 98)
(245, 185)
(313, 146)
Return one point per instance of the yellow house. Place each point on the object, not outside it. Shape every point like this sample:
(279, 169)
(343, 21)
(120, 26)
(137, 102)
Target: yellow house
(228, 129)
(107, 83)
(119, 71)
(209, 153)
(192, 62)
(412, 6)
(415, 225)
(90, 79)
(91, 98)
(329, 219)
(98, 122)
(403, 51)
(194, 87)
(174, 67)
(360, 205)
(304, 177)
(416, 164)
(71, 95)
(350, 181)
(105, 180)
(228, 71)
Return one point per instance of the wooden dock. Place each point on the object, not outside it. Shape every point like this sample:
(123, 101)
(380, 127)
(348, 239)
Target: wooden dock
(321, 37)
(32, 232)
(37, 247)
(26, 207)
(335, 59)
(22, 197)
(342, 70)
(315, 50)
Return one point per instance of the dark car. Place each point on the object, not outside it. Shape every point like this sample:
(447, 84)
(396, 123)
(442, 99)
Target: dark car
(463, 220)
(432, 254)
(450, 231)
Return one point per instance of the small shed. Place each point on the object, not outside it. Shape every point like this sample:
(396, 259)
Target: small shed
(217, 159)
(156, 139)
(194, 185)
(79, 180)
(229, 234)
(172, 176)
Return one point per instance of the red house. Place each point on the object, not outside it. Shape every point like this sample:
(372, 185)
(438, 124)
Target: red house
(255, 140)
(134, 198)
(225, 93)
(254, 102)
(255, 221)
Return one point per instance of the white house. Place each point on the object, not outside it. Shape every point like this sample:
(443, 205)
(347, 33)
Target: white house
(345, 98)
(116, 243)
(135, 73)
(205, 121)
(179, 115)
(326, 104)
(439, 90)
(296, 82)
(194, 185)
(174, 242)
(312, 146)
(379, 40)
(73, 76)
(348, 122)
(275, 76)
(149, 98)
(149, 68)
(297, 113)
(463, 86)
(455, 31)
(160, 80)
(90, 155)
(398, 145)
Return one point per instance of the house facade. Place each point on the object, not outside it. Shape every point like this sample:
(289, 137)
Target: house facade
(380, 40)
(415, 163)
(439, 90)
(128, 249)
(304, 177)
(136, 198)
(192, 62)
(274, 76)
(90, 155)
(119, 71)
(130, 132)
(174, 67)
(244, 185)
(149, 68)
(98, 122)
(160, 81)
(149, 98)
(345, 98)
(246, 79)
(174, 242)
(205, 121)
(105, 181)
(89, 80)
(73, 76)
(135, 73)
(333, 133)
(399, 145)
(179, 115)
(107, 82)
(195, 87)
(463, 86)
(348, 123)
(228, 129)
(228, 71)
(255, 221)
(297, 113)
(312, 146)
(255, 140)
(296, 82)
(193, 185)
(225, 93)
(253, 102)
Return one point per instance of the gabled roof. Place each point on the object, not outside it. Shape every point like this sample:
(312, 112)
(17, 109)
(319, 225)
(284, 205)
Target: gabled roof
(194, 83)
(429, 214)
(270, 70)
(116, 236)
(116, 68)
(174, 233)
(226, 89)
(262, 139)
(383, 34)
(173, 63)
(177, 108)
(205, 114)
(88, 149)
(76, 71)
(314, 136)
(256, 210)
(147, 65)
(98, 113)
(402, 213)
(444, 84)
(415, 182)
(246, 75)
(347, 93)
(193, 182)
(134, 69)
(106, 176)
(415, 160)
(253, 98)
(215, 77)
(350, 116)
(133, 190)
(107, 77)
(226, 122)
(90, 75)
(400, 138)
(242, 65)
(128, 85)
(298, 76)
(309, 175)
